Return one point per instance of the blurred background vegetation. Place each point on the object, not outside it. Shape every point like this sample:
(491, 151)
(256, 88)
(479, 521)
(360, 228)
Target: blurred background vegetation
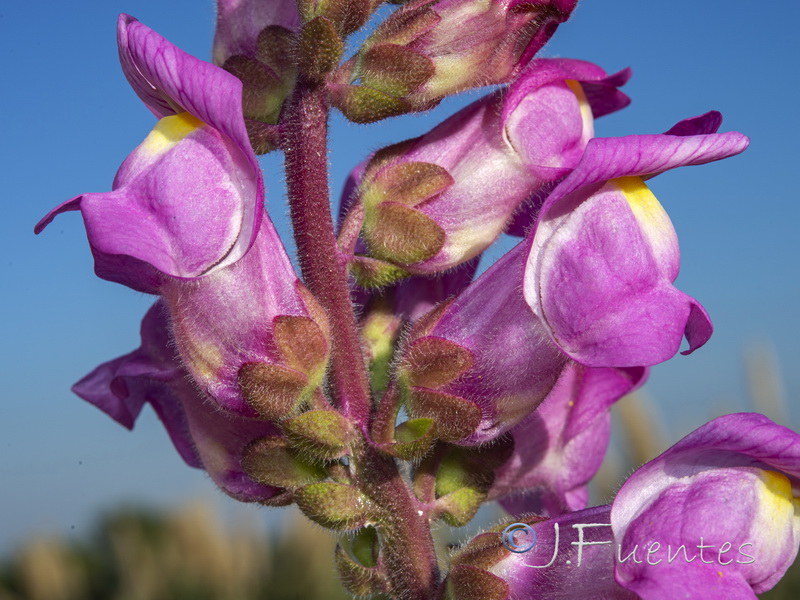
(190, 553)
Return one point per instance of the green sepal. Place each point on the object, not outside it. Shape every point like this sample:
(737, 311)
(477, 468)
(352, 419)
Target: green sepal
(456, 418)
(274, 391)
(364, 546)
(412, 439)
(464, 477)
(400, 234)
(372, 273)
(269, 461)
(320, 48)
(394, 70)
(459, 507)
(320, 434)
(362, 104)
(380, 328)
(347, 15)
(358, 579)
(472, 467)
(333, 505)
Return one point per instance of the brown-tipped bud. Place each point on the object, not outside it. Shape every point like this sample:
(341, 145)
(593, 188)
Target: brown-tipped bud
(320, 48)
(428, 365)
(268, 74)
(402, 234)
(427, 50)
(432, 362)
(302, 343)
(364, 105)
(333, 505)
(270, 461)
(320, 434)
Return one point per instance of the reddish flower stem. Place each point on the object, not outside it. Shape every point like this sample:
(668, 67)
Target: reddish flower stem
(324, 270)
(407, 546)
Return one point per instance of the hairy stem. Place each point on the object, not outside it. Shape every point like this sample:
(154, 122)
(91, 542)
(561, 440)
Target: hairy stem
(406, 543)
(407, 549)
(324, 270)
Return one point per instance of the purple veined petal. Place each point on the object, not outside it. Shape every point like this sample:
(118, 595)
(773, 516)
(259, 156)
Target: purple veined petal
(603, 96)
(170, 81)
(121, 387)
(643, 156)
(704, 124)
(742, 466)
(561, 445)
(240, 21)
(204, 436)
(545, 71)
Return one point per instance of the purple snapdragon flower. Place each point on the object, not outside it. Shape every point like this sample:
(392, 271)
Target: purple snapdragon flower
(715, 513)
(601, 243)
(730, 492)
(185, 220)
(603, 253)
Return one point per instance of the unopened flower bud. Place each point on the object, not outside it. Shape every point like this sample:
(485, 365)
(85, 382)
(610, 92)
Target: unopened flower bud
(427, 50)
(437, 201)
(240, 23)
(255, 40)
(347, 16)
(334, 505)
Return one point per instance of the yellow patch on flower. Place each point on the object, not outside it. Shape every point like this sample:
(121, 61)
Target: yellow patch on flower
(653, 222)
(586, 110)
(777, 501)
(645, 206)
(169, 131)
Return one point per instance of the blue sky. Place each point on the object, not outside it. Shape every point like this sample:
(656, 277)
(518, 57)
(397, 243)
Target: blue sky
(70, 119)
